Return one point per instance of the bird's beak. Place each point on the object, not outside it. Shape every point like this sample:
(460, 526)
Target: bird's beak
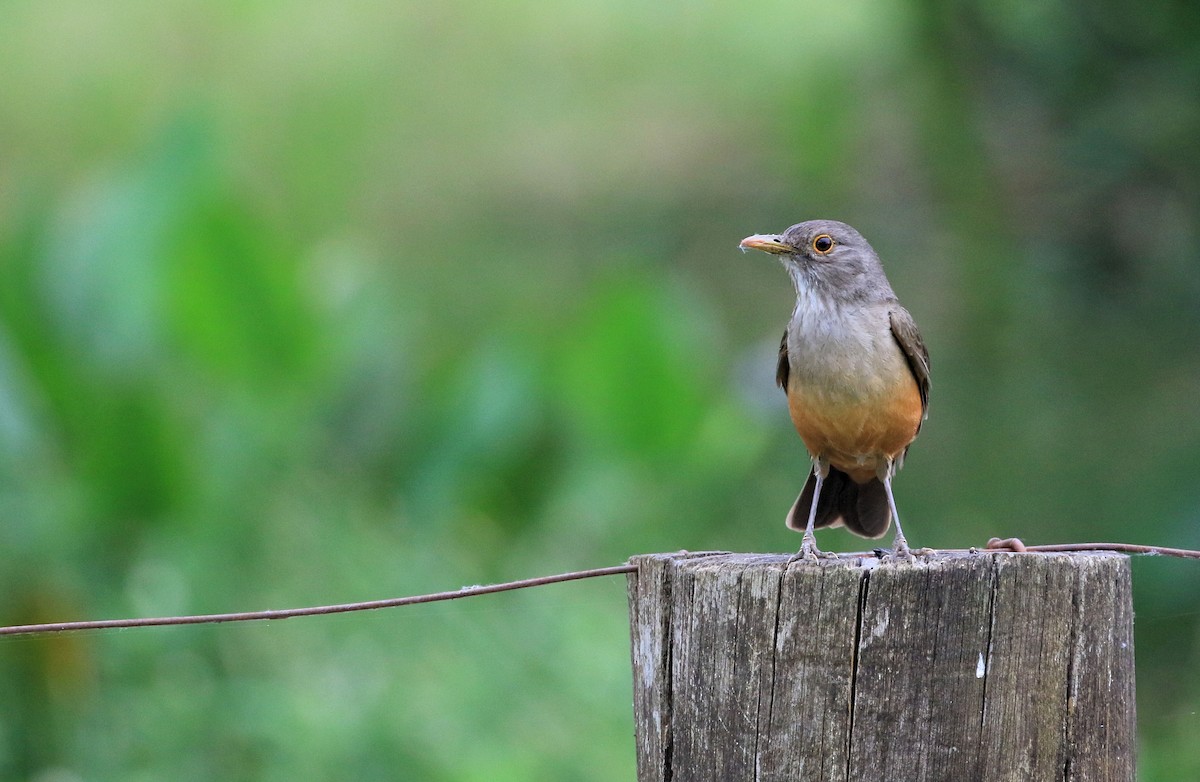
(768, 243)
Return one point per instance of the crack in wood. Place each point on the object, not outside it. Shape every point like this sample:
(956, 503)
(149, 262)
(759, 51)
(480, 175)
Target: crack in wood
(975, 666)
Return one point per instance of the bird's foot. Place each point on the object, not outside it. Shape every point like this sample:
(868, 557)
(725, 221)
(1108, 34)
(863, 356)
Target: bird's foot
(901, 551)
(808, 552)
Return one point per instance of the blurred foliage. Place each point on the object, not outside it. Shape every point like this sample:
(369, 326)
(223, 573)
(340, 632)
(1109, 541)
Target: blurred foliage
(315, 302)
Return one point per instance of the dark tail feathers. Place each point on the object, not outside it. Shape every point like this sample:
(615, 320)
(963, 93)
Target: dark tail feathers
(862, 507)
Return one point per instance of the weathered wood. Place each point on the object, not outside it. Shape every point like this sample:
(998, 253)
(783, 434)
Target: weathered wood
(964, 667)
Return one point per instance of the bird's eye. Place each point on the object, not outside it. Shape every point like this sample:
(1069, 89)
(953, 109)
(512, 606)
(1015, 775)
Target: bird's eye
(822, 243)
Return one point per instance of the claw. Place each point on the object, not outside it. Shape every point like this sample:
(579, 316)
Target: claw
(808, 551)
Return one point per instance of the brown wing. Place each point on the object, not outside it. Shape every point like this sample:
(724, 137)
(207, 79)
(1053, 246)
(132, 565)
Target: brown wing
(908, 337)
(783, 368)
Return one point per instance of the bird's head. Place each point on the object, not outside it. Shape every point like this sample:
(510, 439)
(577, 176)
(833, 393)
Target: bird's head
(823, 254)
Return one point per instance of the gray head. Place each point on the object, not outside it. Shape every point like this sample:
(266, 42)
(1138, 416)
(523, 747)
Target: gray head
(827, 258)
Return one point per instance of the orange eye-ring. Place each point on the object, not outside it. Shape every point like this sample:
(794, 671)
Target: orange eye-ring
(822, 243)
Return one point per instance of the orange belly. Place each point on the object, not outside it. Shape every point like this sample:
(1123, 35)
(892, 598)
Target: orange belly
(858, 436)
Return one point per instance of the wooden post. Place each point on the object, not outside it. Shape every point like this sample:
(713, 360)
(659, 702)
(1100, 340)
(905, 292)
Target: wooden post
(969, 667)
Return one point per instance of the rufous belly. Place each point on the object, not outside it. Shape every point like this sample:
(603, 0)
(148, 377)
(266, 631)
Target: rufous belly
(857, 436)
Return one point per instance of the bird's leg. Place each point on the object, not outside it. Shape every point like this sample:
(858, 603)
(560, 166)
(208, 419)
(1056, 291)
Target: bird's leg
(808, 544)
(900, 548)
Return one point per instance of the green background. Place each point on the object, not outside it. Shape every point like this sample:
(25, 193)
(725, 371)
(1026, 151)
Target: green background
(319, 302)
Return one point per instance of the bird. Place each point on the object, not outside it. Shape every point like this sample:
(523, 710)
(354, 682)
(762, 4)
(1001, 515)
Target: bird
(856, 373)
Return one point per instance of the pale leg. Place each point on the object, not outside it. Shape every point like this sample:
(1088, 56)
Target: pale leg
(808, 544)
(899, 543)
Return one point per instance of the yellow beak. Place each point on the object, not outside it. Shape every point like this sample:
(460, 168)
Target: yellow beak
(768, 243)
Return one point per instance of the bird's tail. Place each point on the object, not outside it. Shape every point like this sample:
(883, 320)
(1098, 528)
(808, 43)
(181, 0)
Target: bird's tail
(862, 507)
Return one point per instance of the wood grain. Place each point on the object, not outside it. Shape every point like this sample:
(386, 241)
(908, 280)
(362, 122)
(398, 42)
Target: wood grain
(989, 666)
